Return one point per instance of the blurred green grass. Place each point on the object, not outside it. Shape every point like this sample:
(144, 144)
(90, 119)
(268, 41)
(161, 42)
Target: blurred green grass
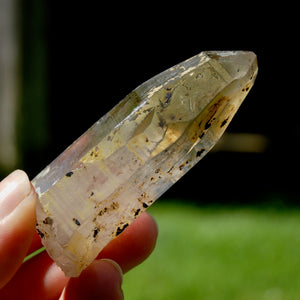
(220, 253)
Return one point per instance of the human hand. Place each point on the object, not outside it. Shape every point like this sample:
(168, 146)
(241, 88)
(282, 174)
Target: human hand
(40, 278)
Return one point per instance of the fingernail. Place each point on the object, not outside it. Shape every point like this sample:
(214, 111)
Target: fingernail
(54, 281)
(116, 267)
(101, 280)
(13, 189)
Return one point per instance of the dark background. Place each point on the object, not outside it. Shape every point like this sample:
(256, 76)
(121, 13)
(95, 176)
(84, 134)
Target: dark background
(79, 60)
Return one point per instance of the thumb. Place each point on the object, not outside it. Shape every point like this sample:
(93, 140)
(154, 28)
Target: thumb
(17, 222)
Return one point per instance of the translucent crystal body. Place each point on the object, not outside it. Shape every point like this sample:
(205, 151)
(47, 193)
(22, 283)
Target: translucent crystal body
(133, 154)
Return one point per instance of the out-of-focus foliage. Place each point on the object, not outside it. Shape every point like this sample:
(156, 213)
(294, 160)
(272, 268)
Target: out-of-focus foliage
(220, 253)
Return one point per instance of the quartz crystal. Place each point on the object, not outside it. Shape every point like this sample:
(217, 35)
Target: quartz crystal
(125, 161)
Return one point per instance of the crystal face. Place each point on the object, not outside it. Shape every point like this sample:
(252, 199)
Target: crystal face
(134, 153)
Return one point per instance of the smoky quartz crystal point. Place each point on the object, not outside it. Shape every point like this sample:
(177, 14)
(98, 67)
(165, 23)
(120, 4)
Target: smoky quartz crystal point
(91, 192)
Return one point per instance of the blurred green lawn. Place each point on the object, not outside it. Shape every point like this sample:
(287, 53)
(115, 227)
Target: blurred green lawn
(220, 253)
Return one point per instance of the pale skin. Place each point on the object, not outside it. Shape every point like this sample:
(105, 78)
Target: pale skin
(40, 278)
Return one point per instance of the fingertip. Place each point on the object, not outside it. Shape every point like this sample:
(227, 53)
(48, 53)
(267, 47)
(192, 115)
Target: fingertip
(101, 280)
(54, 281)
(147, 224)
(17, 222)
(134, 244)
(13, 190)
